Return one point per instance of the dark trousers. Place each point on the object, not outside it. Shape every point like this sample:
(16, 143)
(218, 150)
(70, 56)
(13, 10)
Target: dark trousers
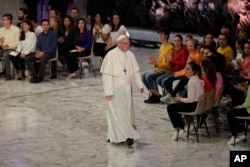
(176, 118)
(72, 61)
(179, 87)
(30, 62)
(99, 49)
(18, 63)
(232, 121)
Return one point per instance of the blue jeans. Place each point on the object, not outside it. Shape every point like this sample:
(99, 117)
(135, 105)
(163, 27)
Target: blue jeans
(161, 79)
(149, 79)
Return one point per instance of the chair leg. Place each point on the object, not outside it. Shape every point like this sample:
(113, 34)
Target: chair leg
(92, 67)
(205, 123)
(81, 69)
(196, 130)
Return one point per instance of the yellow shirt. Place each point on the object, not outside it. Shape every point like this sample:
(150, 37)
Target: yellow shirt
(163, 64)
(11, 36)
(227, 52)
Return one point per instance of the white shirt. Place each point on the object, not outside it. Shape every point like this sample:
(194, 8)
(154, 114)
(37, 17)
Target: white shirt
(38, 30)
(105, 29)
(28, 45)
(114, 34)
(195, 88)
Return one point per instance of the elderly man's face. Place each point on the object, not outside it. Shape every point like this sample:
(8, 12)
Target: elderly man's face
(123, 44)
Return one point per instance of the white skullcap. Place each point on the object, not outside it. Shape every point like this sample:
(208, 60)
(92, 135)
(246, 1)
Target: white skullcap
(121, 37)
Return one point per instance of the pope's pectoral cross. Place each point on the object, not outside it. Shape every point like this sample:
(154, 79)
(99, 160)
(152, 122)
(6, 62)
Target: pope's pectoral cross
(125, 71)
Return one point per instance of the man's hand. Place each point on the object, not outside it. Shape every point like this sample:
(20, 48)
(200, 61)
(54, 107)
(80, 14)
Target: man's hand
(39, 54)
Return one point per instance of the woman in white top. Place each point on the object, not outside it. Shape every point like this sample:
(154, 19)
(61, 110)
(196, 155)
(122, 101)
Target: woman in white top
(25, 47)
(101, 33)
(195, 88)
(116, 29)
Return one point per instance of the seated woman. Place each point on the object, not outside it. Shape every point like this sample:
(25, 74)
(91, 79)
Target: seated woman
(193, 56)
(178, 61)
(195, 88)
(101, 33)
(65, 38)
(25, 47)
(162, 66)
(82, 44)
(208, 75)
(116, 29)
(239, 110)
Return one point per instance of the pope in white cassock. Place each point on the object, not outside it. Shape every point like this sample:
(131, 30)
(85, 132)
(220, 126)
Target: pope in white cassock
(119, 70)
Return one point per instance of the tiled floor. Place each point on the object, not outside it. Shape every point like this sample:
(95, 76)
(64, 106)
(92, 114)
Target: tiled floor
(62, 123)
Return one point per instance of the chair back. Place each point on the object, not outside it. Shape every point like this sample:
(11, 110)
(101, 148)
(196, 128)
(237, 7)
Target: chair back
(210, 100)
(200, 108)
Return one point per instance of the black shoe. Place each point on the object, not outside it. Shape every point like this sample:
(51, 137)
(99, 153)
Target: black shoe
(150, 97)
(53, 76)
(39, 79)
(33, 80)
(154, 99)
(2, 73)
(129, 142)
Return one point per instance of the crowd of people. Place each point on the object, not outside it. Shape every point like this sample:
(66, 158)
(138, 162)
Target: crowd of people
(186, 71)
(183, 70)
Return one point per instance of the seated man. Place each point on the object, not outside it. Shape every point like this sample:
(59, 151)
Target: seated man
(9, 39)
(45, 49)
(162, 66)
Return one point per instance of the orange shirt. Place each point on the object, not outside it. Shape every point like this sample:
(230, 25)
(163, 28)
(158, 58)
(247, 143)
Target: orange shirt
(193, 56)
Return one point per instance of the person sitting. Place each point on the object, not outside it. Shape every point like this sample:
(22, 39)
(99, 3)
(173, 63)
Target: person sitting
(26, 46)
(116, 29)
(45, 49)
(237, 111)
(193, 56)
(195, 88)
(65, 38)
(178, 62)
(82, 44)
(162, 66)
(9, 39)
(101, 34)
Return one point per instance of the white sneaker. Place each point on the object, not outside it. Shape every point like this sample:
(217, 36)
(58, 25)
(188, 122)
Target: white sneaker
(166, 99)
(237, 140)
(182, 134)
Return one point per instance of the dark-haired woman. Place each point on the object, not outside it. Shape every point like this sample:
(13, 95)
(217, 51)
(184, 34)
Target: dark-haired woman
(25, 47)
(82, 47)
(116, 29)
(65, 38)
(195, 88)
(101, 33)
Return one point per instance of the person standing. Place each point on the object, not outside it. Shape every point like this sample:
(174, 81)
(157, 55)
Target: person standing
(119, 69)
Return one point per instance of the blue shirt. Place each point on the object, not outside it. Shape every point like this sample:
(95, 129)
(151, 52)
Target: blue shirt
(84, 40)
(47, 43)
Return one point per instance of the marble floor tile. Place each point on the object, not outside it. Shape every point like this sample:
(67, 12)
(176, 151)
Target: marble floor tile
(62, 123)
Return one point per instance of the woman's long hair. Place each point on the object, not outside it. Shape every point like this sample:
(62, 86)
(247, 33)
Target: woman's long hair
(77, 30)
(209, 70)
(195, 68)
(22, 36)
(113, 27)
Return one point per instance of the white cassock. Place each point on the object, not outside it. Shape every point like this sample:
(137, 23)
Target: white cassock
(119, 70)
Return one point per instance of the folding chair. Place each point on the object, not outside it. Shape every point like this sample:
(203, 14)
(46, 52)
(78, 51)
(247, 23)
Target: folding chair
(89, 60)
